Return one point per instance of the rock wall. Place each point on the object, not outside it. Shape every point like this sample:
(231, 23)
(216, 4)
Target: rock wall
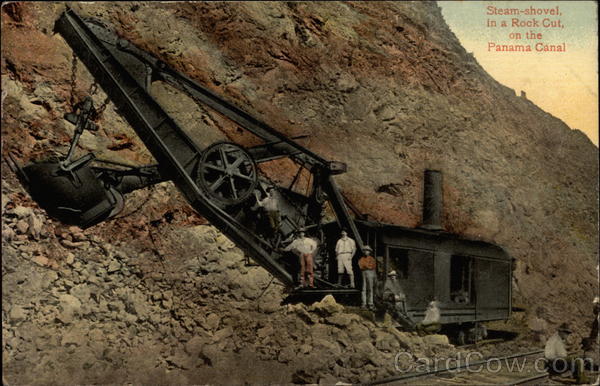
(384, 87)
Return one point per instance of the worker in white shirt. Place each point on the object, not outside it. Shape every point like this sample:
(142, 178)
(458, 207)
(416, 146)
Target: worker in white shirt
(344, 251)
(558, 360)
(305, 248)
(270, 204)
(431, 323)
(555, 346)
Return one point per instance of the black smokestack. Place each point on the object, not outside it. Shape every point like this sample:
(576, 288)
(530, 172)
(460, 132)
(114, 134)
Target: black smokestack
(432, 200)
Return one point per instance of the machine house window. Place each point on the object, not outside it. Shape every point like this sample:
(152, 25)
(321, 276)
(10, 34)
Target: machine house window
(461, 279)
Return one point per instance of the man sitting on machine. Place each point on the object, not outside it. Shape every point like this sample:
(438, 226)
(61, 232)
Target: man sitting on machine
(270, 206)
(431, 322)
(395, 300)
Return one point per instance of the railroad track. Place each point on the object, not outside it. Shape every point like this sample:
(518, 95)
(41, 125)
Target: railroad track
(481, 343)
(515, 369)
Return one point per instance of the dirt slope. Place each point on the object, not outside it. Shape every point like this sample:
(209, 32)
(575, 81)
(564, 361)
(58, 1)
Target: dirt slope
(386, 88)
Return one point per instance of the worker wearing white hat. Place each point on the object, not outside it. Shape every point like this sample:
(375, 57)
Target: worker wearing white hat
(393, 290)
(394, 297)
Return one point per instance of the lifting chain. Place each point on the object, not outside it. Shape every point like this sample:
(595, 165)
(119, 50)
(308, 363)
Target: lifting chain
(93, 90)
(73, 80)
(102, 107)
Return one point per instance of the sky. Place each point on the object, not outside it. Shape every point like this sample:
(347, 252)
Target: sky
(565, 84)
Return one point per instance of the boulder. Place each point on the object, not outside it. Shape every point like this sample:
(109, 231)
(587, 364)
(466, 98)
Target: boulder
(537, 325)
(70, 301)
(222, 334)
(362, 355)
(17, 314)
(79, 236)
(265, 332)
(182, 360)
(320, 332)
(113, 266)
(70, 259)
(194, 346)
(403, 338)
(167, 304)
(287, 354)
(213, 321)
(385, 341)
(8, 233)
(436, 339)
(346, 83)
(41, 260)
(330, 348)
(95, 335)
(69, 307)
(5, 201)
(22, 226)
(128, 318)
(75, 337)
(340, 320)
(81, 292)
(50, 277)
(211, 354)
(35, 226)
(327, 306)
(357, 332)
(79, 244)
(138, 304)
(22, 212)
(270, 305)
(304, 315)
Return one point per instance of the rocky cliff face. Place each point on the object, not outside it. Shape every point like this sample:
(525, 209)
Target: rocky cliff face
(156, 296)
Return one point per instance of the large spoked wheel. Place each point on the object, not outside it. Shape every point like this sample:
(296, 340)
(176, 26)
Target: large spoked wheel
(227, 173)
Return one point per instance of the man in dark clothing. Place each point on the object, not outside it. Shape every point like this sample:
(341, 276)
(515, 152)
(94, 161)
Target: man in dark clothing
(395, 301)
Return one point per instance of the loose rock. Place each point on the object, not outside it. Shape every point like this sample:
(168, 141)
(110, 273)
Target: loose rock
(17, 314)
(22, 226)
(327, 306)
(41, 260)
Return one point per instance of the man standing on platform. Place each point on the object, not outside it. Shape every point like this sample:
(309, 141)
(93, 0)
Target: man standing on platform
(305, 247)
(344, 251)
(367, 265)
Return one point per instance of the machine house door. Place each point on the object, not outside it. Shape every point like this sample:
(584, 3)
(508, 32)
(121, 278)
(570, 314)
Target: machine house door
(415, 274)
(493, 289)
(462, 279)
